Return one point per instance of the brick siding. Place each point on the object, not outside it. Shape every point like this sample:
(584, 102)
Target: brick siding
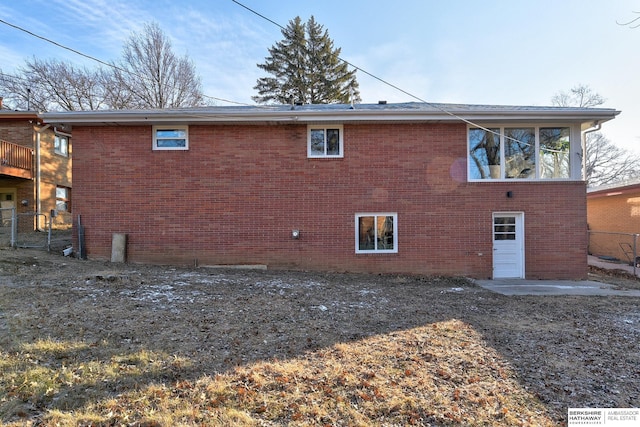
(236, 194)
(55, 171)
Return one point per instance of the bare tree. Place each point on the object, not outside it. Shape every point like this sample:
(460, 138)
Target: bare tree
(150, 75)
(606, 163)
(45, 85)
(578, 96)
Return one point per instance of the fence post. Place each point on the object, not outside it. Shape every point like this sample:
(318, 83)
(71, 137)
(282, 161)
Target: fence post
(635, 253)
(14, 227)
(49, 232)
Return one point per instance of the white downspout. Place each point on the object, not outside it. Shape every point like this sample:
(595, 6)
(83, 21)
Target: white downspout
(596, 127)
(38, 174)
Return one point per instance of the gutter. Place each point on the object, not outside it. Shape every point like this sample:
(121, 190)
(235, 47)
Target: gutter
(597, 125)
(39, 175)
(330, 113)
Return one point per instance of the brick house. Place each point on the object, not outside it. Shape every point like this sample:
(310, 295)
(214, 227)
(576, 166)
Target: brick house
(613, 215)
(35, 170)
(480, 191)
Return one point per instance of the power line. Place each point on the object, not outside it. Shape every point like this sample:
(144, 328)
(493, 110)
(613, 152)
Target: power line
(362, 69)
(58, 44)
(226, 100)
(77, 52)
(435, 106)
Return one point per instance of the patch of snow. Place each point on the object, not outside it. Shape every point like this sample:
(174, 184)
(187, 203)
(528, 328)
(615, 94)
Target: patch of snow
(454, 290)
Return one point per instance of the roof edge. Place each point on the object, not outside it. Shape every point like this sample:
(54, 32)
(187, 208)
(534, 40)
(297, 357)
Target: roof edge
(332, 112)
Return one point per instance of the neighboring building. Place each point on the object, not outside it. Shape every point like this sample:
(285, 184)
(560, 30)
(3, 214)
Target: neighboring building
(480, 191)
(613, 215)
(35, 171)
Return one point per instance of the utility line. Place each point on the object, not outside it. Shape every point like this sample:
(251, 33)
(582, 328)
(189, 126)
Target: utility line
(77, 52)
(436, 106)
(59, 45)
(433, 105)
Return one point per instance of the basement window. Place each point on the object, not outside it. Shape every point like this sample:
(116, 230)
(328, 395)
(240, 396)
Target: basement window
(376, 233)
(324, 141)
(170, 137)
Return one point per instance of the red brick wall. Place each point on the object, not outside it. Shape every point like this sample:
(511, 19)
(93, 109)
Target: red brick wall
(236, 194)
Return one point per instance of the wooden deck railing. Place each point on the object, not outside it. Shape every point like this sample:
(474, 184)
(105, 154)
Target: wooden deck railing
(16, 160)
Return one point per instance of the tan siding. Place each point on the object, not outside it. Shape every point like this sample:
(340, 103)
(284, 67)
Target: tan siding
(617, 213)
(55, 170)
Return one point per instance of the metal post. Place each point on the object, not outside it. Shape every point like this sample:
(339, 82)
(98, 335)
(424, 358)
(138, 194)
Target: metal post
(14, 227)
(635, 253)
(49, 232)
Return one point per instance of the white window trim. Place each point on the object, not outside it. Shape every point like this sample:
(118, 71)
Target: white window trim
(325, 127)
(377, 251)
(60, 136)
(66, 199)
(155, 139)
(575, 151)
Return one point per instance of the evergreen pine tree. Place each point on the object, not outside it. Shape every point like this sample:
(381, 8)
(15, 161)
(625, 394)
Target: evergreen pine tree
(305, 67)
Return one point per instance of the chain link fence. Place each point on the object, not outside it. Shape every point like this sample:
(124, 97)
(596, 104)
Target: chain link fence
(615, 247)
(33, 230)
(7, 227)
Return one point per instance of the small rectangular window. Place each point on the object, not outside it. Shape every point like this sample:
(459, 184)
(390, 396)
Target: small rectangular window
(61, 145)
(377, 233)
(170, 138)
(63, 199)
(504, 228)
(325, 141)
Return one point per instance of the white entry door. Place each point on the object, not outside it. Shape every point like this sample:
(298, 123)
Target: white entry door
(508, 245)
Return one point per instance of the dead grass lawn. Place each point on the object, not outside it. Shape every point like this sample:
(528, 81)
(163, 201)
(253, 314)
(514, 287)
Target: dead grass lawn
(90, 343)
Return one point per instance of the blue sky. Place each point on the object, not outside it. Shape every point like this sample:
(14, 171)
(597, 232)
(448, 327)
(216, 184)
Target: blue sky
(458, 51)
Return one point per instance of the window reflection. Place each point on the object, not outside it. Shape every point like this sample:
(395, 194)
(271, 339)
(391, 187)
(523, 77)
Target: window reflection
(554, 152)
(376, 233)
(484, 150)
(520, 152)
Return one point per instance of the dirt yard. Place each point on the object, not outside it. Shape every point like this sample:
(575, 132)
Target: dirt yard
(96, 343)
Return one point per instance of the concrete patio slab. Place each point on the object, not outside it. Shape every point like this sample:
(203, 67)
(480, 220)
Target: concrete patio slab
(553, 287)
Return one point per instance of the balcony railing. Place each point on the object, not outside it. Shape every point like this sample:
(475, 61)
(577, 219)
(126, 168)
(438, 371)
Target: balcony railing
(16, 160)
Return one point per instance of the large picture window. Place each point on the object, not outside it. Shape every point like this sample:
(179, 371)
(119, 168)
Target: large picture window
(324, 141)
(170, 138)
(377, 233)
(527, 152)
